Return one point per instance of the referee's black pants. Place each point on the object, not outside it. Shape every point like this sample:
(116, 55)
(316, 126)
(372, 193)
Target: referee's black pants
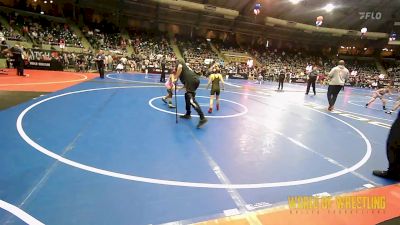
(280, 83)
(162, 77)
(101, 71)
(311, 82)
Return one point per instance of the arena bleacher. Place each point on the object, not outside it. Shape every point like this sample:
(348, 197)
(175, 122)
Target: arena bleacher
(150, 48)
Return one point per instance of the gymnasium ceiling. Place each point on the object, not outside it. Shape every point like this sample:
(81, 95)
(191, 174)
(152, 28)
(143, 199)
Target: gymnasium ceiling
(346, 15)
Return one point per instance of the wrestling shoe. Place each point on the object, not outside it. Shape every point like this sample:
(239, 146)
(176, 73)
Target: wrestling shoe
(389, 112)
(217, 107)
(210, 110)
(384, 107)
(171, 106)
(187, 117)
(202, 123)
(366, 105)
(164, 100)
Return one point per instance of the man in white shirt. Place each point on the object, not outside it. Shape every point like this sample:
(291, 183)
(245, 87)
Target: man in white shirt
(105, 62)
(110, 62)
(309, 68)
(124, 60)
(337, 78)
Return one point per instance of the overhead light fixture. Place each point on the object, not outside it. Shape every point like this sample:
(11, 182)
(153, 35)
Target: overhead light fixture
(294, 2)
(365, 49)
(392, 36)
(45, 2)
(364, 30)
(42, 12)
(257, 9)
(319, 21)
(51, 1)
(329, 7)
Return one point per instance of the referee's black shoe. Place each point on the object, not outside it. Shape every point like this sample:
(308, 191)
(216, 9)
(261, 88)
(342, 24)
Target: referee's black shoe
(186, 116)
(202, 122)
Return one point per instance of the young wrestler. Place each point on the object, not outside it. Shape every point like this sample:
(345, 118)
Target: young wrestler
(120, 67)
(260, 79)
(396, 106)
(380, 93)
(214, 79)
(170, 85)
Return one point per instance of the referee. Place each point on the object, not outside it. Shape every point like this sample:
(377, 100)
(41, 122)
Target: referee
(100, 63)
(312, 78)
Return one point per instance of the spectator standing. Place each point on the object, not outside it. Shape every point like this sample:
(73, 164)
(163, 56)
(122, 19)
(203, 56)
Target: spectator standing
(18, 54)
(110, 63)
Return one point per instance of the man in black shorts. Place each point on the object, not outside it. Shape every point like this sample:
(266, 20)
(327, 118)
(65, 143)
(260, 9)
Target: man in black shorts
(191, 82)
